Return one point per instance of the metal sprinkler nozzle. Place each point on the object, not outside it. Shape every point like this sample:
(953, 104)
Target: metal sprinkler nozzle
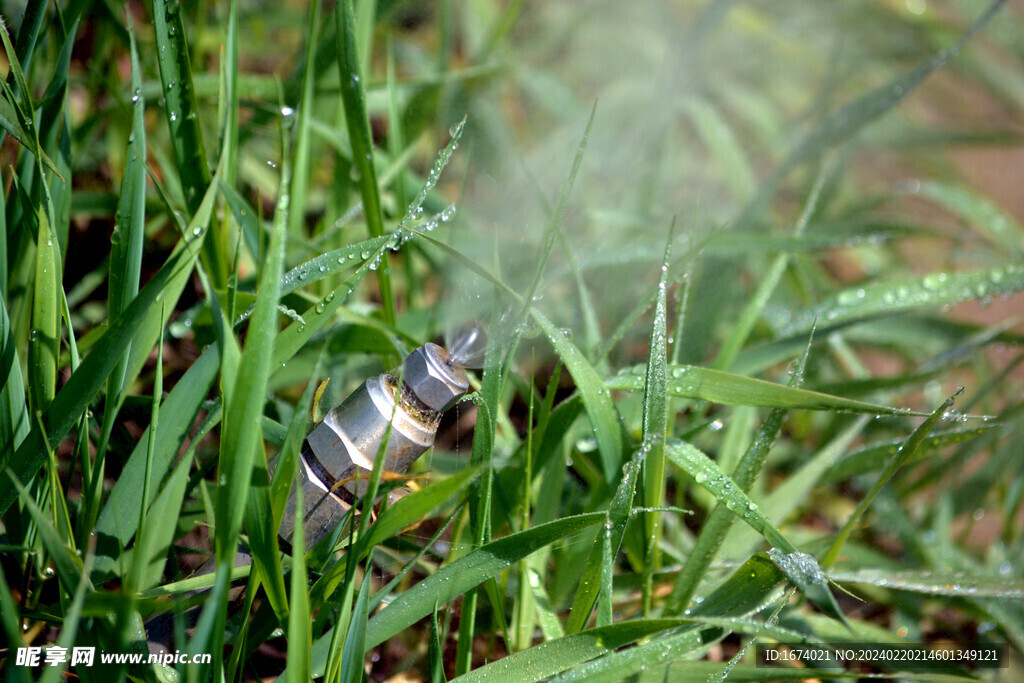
(338, 454)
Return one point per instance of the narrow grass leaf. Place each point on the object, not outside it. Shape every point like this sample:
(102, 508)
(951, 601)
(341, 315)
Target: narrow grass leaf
(956, 584)
(1003, 230)
(354, 102)
(592, 579)
(875, 457)
(905, 452)
(596, 400)
(895, 297)
(552, 657)
(241, 438)
(353, 652)
(706, 473)
(44, 338)
(119, 517)
(655, 425)
(690, 381)
(126, 242)
(300, 636)
(10, 617)
(68, 566)
(468, 571)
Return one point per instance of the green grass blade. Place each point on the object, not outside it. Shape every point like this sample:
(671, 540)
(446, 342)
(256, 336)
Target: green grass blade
(905, 452)
(801, 568)
(956, 584)
(120, 514)
(706, 473)
(894, 297)
(241, 437)
(555, 656)
(14, 420)
(655, 426)
(44, 340)
(875, 457)
(303, 150)
(353, 653)
(72, 400)
(126, 242)
(1002, 229)
(300, 637)
(688, 381)
(592, 579)
(358, 124)
(596, 399)
(183, 123)
(468, 571)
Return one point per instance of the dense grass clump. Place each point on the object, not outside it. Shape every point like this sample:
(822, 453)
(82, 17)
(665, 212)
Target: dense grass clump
(751, 274)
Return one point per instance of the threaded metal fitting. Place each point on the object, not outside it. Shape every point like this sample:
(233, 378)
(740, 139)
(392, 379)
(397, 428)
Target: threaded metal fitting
(338, 454)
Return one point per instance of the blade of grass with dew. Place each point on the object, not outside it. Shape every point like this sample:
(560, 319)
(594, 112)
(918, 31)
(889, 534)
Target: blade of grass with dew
(352, 655)
(707, 474)
(10, 617)
(67, 565)
(591, 579)
(689, 381)
(781, 502)
(183, 124)
(655, 429)
(454, 579)
(301, 162)
(44, 339)
(553, 657)
(956, 584)
(300, 636)
(241, 437)
(354, 103)
(718, 523)
(648, 658)
(126, 242)
(596, 399)
(875, 457)
(905, 452)
(894, 297)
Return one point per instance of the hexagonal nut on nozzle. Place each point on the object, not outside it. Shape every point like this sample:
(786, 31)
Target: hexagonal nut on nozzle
(436, 380)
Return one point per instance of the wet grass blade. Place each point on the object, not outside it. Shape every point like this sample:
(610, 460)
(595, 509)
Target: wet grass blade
(905, 452)
(956, 584)
(300, 637)
(592, 579)
(468, 571)
(354, 102)
(555, 656)
(241, 437)
(688, 381)
(44, 339)
(182, 113)
(655, 426)
(894, 297)
(596, 399)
